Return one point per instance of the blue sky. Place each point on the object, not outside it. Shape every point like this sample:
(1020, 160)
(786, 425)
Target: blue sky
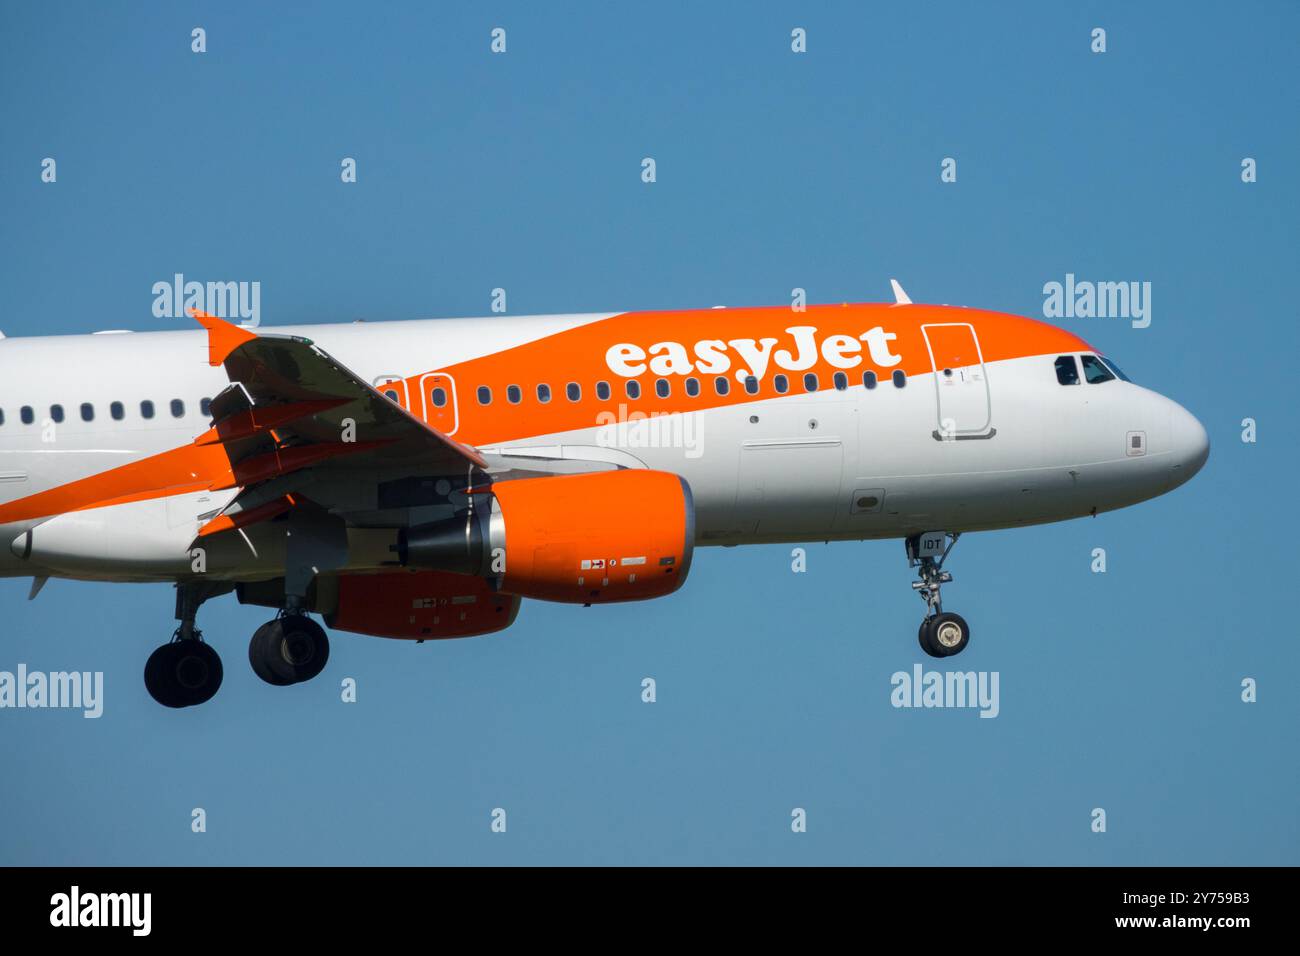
(775, 170)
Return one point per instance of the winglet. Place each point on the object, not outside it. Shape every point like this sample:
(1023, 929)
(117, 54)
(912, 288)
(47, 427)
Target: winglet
(900, 297)
(223, 338)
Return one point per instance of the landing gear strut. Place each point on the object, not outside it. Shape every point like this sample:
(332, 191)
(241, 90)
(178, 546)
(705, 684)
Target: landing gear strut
(293, 648)
(288, 650)
(185, 671)
(942, 633)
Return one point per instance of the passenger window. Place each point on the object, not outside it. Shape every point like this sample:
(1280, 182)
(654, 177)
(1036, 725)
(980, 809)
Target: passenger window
(391, 395)
(781, 384)
(117, 410)
(633, 388)
(87, 412)
(722, 385)
(899, 378)
(27, 415)
(662, 388)
(693, 387)
(1095, 372)
(56, 413)
(810, 382)
(751, 384)
(869, 379)
(438, 396)
(146, 409)
(205, 407)
(841, 381)
(484, 395)
(543, 393)
(178, 408)
(2, 416)
(1067, 370)
(574, 391)
(602, 391)
(514, 394)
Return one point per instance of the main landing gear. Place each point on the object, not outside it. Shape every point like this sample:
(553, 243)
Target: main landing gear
(288, 650)
(183, 672)
(942, 633)
(187, 671)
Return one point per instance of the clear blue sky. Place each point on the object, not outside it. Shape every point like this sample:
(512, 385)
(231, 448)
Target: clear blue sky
(775, 170)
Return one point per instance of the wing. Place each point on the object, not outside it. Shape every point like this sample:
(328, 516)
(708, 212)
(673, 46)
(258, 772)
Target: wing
(294, 417)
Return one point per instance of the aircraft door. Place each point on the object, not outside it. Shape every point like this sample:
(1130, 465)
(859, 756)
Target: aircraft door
(962, 398)
(438, 399)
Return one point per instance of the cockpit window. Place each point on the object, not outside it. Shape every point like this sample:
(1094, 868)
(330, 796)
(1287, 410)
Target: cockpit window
(1067, 370)
(1116, 369)
(1095, 371)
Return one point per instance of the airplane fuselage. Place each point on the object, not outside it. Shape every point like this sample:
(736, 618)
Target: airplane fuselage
(838, 422)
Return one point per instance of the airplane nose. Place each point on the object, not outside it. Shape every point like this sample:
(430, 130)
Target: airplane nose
(1188, 442)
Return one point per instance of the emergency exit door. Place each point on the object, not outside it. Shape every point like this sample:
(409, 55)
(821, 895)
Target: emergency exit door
(438, 397)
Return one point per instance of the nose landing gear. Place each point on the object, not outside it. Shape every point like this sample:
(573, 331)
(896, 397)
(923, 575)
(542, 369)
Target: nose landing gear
(942, 633)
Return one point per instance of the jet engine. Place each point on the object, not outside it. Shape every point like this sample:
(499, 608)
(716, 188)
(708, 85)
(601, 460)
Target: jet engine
(582, 539)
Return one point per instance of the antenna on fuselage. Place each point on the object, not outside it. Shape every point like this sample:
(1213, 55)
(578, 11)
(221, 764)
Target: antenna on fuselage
(900, 297)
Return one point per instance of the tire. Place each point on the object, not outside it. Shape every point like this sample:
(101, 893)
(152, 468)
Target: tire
(924, 639)
(197, 670)
(298, 648)
(157, 681)
(260, 650)
(949, 634)
(183, 673)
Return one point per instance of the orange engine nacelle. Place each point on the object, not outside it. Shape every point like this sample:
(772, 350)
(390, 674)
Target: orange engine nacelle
(583, 539)
(420, 605)
(608, 536)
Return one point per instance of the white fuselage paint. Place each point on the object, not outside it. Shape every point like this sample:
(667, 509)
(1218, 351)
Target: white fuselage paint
(853, 464)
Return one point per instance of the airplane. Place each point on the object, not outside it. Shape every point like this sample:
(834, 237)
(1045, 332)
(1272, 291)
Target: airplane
(418, 479)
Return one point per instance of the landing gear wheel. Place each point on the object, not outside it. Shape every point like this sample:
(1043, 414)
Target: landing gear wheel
(183, 673)
(289, 650)
(944, 634)
(923, 637)
(259, 655)
(302, 648)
